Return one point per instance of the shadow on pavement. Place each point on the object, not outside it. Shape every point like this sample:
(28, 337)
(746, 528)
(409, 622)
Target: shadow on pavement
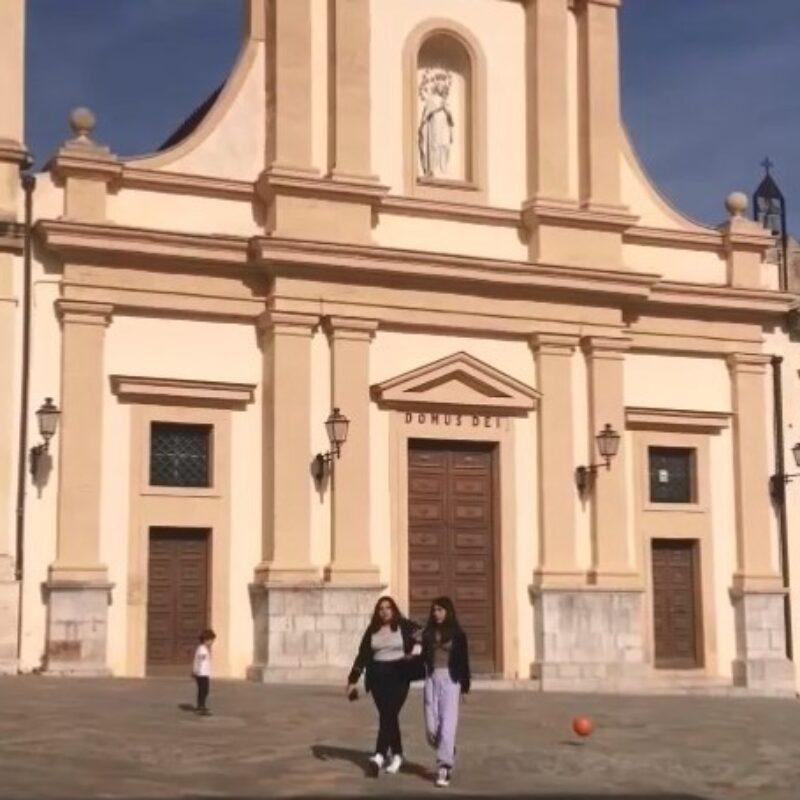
(326, 752)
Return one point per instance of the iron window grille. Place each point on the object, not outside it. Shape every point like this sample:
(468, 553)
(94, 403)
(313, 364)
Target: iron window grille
(672, 475)
(180, 455)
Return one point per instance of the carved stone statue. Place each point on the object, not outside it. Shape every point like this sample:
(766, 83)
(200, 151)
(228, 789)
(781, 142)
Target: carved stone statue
(435, 135)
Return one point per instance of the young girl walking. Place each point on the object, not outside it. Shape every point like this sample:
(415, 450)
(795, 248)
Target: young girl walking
(201, 670)
(446, 656)
(384, 651)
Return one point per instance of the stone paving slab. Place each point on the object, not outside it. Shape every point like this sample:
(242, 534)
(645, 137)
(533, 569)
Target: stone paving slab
(131, 740)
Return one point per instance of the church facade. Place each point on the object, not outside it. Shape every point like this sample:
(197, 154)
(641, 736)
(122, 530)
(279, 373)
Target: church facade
(424, 220)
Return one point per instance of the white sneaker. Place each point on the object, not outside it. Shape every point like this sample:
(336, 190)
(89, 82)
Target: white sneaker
(375, 764)
(393, 767)
(443, 777)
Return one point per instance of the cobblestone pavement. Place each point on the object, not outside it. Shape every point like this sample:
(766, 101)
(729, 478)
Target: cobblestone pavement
(69, 738)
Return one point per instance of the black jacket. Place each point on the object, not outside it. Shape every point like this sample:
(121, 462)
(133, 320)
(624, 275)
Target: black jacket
(458, 665)
(364, 658)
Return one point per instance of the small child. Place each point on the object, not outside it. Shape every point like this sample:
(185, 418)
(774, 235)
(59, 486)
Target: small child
(201, 669)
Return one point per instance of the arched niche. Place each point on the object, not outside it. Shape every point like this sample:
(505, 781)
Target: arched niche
(445, 120)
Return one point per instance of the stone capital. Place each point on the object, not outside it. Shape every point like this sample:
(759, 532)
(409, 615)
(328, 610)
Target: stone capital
(554, 344)
(79, 312)
(287, 323)
(350, 328)
(752, 363)
(608, 347)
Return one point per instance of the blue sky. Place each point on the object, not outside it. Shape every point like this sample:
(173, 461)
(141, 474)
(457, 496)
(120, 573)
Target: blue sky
(709, 86)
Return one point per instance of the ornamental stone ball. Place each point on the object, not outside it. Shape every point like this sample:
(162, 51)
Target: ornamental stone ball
(82, 122)
(736, 203)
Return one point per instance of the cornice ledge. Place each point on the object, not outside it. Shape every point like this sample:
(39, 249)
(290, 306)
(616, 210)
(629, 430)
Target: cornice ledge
(311, 184)
(88, 164)
(669, 237)
(75, 239)
(84, 312)
(130, 387)
(676, 418)
(540, 210)
(277, 254)
(763, 301)
(184, 183)
(12, 152)
(438, 209)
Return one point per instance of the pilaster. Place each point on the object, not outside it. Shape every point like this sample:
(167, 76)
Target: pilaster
(286, 398)
(77, 587)
(599, 103)
(547, 100)
(612, 560)
(351, 561)
(558, 563)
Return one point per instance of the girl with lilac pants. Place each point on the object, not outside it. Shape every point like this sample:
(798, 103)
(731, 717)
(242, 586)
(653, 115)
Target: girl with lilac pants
(446, 657)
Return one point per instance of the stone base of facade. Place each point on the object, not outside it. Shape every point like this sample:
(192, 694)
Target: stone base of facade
(588, 639)
(77, 628)
(761, 663)
(9, 617)
(308, 633)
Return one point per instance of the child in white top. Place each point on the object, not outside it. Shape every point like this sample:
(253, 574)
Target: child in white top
(201, 669)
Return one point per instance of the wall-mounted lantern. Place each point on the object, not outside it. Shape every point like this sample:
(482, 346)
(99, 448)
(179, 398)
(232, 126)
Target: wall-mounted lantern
(778, 481)
(607, 445)
(336, 427)
(47, 417)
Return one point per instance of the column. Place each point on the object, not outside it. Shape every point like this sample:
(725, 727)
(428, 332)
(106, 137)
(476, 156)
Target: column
(612, 559)
(351, 561)
(758, 593)
(286, 545)
(350, 99)
(558, 563)
(599, 105)
(77, 585)
(547, 99)
(289, 78)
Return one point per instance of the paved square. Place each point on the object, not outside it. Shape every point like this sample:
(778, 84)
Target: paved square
(63, 738)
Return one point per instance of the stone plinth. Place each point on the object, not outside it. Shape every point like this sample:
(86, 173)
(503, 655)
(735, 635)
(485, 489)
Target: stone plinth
(308, 633)
(9, 617)
(77, 628)
(761, 663)
(588, 638)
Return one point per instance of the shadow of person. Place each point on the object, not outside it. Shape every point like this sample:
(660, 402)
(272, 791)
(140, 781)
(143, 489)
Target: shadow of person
(186, 707)
(327, 752)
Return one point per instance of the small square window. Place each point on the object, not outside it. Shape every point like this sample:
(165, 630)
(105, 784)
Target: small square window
(180, 454)
(672, 474)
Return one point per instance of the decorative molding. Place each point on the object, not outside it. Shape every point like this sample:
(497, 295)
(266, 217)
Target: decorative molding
(279, 256)
(676, 419)
(94, 165)
(84, 313)
(675, 238)
(311, 184)
(457, 382)
(722, 298)
(110, 243)
(440, 209)
(213, 393)
(541, 211)
(185, 184)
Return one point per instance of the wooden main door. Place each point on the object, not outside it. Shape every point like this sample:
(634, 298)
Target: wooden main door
(451, 539)
(177, 596)
(676, 604)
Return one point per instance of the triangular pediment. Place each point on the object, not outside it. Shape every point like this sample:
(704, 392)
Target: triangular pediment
(458, 382)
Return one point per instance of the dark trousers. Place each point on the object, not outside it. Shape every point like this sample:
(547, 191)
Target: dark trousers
(202, 689)
(389, 690)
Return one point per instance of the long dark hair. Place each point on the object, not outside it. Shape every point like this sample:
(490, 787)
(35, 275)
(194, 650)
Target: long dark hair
(376, 623)
(450, 627)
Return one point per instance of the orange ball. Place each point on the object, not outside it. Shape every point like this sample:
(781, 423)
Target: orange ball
(582, 726)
